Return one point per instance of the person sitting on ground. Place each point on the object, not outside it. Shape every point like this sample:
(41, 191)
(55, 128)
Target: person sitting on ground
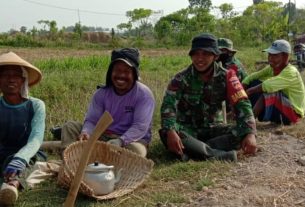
(22, 124)
(277, 92)
(228, 59)
(130, 103)
(229, 62)
(299, 52)
(192, 99)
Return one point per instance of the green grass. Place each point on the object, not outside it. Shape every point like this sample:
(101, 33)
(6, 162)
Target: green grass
(67, 86)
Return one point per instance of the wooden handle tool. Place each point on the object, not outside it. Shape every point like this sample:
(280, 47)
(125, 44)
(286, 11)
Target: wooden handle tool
(100, 127)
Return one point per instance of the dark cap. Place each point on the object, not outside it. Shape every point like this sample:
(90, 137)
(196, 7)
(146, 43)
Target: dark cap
(205, 41)
(130, 56)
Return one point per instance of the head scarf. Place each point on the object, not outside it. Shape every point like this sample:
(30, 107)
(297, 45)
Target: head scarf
(25, 87)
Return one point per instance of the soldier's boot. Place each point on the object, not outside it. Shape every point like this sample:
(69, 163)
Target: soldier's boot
(225, 156)
(220, 154)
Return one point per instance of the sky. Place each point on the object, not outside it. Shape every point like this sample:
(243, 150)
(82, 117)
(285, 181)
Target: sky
(98, 13)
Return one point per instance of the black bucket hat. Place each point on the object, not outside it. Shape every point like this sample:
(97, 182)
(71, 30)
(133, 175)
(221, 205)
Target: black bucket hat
(130, 56)
(205, 41)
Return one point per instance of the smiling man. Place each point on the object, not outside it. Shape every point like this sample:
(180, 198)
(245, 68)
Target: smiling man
(191, 103)
(130, 103)
(277, 92)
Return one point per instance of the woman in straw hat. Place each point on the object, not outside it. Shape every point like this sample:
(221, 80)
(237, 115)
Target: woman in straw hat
(22, 124)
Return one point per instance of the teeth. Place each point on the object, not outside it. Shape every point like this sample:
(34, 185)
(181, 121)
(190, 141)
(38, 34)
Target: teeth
(120, 81)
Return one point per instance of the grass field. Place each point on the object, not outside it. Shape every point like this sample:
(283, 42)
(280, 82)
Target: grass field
(70, 78)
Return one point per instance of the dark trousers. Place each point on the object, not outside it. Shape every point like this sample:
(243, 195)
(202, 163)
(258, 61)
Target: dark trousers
(206, 147)
(274, 112)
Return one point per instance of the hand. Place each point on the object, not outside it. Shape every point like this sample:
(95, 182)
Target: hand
(117, 142)
(250, 91)
(9, 173)
(83, 136)
(15, 167)
(245, 86)
(174, 143)
(254, 89)
(248, 144)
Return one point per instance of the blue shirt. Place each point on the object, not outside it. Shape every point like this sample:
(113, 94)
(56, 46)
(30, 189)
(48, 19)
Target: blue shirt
(21, 128)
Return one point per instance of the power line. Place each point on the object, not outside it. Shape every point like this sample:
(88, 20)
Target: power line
(75, 10)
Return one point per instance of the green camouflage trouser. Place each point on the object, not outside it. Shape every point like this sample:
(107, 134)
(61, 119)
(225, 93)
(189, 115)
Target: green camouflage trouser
(210, 143)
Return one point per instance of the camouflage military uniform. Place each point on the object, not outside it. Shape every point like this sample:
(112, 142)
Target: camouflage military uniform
(228, 60)
(238, 67)
(190, 107)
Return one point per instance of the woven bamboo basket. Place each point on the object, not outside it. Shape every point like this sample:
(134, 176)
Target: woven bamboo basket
(135, 169)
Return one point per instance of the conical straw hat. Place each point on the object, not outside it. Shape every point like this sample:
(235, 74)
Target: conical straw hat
(10, 58)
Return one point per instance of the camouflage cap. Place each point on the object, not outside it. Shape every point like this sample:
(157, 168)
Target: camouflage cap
(224, 43)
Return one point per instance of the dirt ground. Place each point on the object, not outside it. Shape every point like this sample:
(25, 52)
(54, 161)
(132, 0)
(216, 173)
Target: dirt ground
(275, 176)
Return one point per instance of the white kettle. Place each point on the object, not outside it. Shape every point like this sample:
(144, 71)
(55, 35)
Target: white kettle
(101, 178)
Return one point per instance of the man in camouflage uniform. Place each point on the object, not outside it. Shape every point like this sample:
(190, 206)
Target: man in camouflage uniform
(228, 60)
(191, 103)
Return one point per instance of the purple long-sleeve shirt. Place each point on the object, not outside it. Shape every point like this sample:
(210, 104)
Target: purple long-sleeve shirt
(132, 112)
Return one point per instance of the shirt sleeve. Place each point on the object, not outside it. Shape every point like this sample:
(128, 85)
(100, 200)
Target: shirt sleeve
(94, 112)
(36, 136)
(142, 119)
(259, 75)
(169, 104)
(276, 83)
(245, 122)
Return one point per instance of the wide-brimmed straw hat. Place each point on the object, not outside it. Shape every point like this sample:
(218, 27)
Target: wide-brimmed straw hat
(10, 58)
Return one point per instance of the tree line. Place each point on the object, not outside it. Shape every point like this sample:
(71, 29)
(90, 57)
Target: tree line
(261, 22)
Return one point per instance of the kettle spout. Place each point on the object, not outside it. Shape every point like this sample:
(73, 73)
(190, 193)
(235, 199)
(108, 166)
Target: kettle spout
(118, 175)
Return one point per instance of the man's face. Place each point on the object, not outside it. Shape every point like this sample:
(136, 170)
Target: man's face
(122, 77)
(226, 55)
(11, 79)
(277, 60)
(202, 59)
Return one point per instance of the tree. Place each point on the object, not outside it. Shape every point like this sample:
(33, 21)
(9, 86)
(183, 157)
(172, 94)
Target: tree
(53, 29)
(140, 19)
(227, 11)
(225, 26)
(262, 22)
(200, 18)
(126, 26)
(172, 28)
(34, 32)
(298, 24)
(45, 24)
(49, 27)
(290, 10)
(257, 1)
(23, 29)
(78, 30)
(200, 4)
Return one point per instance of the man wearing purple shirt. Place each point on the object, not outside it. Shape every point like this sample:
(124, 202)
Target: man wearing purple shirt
(130, 103)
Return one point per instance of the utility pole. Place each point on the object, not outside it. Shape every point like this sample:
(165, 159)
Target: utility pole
(289, 18)
(79, 15)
